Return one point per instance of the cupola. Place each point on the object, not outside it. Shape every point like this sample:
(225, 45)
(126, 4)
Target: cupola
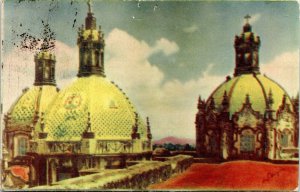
(246, 49)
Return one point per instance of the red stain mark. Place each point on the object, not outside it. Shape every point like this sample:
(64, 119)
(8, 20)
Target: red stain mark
(243, 175)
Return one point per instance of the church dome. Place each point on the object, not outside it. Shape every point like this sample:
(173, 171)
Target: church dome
(257, 86)
(31, 103)
(249, 116)
(34, 101)
(96, 101)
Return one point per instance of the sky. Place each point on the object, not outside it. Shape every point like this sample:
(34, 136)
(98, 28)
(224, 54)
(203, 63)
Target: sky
(163, 54)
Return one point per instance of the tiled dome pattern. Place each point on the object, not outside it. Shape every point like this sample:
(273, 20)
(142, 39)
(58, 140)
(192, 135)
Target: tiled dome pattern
(257, 87)
(35, 99)
(111, 113)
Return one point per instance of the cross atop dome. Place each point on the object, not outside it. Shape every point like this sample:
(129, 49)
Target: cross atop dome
(247, 18)
(89, 3)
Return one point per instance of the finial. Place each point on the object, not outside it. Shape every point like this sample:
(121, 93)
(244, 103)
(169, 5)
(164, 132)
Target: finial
(247, 99)
(135, 134)
(228, 78)
(225, 94)
(225, 99)
(212, 104)
(42, 122)
(201, 103)
(149, 135)
(199, 98)
(89, 122)
(284, 99)
(90, 5)
(247, 18)
(270, 98)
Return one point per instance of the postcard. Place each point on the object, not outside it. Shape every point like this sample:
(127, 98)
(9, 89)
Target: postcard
(149, 95)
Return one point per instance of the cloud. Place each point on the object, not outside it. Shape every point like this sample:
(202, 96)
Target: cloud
(170, 104)
(284, 69)
(254, 18)
(166, 46)
(191, 29)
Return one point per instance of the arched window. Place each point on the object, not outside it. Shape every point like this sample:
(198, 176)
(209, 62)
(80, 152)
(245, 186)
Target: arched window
(52, 72)
(102, 58)
(247, 143)
(284, 140)
(22, 146)
(97, 58)
(213, 143)
(47, 72)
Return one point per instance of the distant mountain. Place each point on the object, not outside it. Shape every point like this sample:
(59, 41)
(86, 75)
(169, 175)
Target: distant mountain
(174, 140)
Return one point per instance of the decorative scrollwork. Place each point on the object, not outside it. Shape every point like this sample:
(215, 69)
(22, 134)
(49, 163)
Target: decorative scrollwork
(71, 147)
(113, 146)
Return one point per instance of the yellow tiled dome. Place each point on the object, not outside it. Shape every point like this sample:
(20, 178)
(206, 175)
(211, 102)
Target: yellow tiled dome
(111, 113)
(33, 100)
(257, 87)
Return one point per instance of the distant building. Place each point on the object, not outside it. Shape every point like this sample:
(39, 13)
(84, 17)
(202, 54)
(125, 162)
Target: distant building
(249, 116)
(89, 126)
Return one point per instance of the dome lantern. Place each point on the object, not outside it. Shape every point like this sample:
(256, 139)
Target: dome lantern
(91, 47)
(44, 68)
(246, 47)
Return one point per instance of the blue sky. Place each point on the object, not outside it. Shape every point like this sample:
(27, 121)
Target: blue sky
(181, 48)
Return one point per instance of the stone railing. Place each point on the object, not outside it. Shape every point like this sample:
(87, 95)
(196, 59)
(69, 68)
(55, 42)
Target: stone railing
(137, 176)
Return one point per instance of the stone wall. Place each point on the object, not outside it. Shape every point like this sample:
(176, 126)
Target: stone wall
(137, 176)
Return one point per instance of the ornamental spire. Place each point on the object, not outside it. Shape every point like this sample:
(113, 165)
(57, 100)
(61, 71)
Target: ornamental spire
(88, 133)
(149, 135)
(201, 103)
(270, 99)
(212, 105)
(247, 99)
(225, 101)
(90, 20)
(135, 127)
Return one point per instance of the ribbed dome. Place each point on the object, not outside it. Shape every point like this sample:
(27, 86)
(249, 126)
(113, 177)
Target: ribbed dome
(256, 86)
(111, 113)
(31, 101)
